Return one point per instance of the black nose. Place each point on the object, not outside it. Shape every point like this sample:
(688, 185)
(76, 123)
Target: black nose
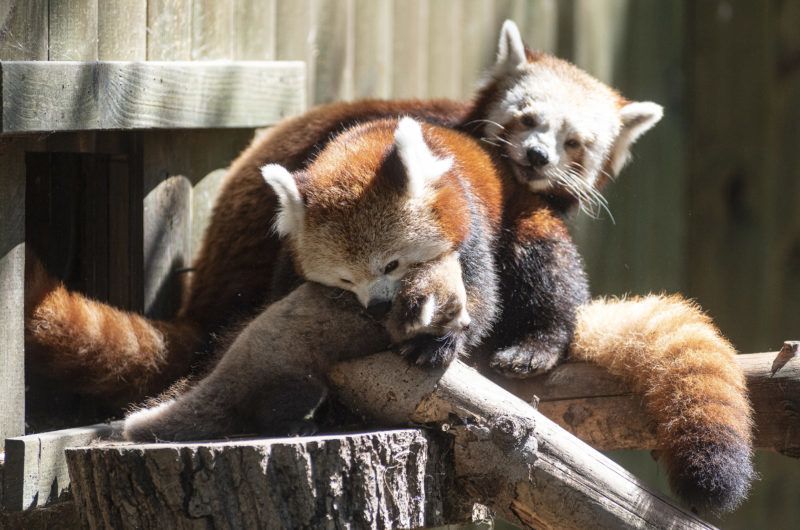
(537, 157)
(378, 309)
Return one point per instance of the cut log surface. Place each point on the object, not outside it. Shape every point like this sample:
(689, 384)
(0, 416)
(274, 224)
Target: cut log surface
(388, 479)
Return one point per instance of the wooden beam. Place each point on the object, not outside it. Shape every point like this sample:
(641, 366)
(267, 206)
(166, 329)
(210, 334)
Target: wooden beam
(36, 470)
(60, 96)
(601, 410)
(388, 479)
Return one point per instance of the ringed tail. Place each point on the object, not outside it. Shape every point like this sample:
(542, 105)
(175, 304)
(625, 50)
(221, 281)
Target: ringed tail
(103, 351)
(676, 358)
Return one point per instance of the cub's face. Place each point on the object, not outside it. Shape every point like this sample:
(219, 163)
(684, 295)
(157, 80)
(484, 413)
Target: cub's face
(362, 214)
(564, 131)
(369, 246)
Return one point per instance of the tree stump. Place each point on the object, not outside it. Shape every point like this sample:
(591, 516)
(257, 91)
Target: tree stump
(388, 479)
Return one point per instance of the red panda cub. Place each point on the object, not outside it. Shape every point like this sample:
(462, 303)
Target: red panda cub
(401, 214)
(384, 198)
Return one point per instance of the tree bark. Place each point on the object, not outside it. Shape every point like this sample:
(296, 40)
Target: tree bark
(507, 455)
(390, 479)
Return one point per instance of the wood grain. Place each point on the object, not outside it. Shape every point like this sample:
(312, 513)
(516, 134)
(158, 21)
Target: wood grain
(169, 30)
(335, 49)
(12, 287)
(410, 51)
(122, 30)
(254, 30)
(37, 472)
(387, 479)
(72, 30)
(539, 467)
(212, 29)
(23, 30)
(50, 96)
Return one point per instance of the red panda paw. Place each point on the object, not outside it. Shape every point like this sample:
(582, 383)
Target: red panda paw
(524, 361)
(429, 350)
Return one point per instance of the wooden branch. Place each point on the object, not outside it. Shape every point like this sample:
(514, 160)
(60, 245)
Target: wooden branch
(390, 479)
(507, 455)
(601, 410)
(63, 96)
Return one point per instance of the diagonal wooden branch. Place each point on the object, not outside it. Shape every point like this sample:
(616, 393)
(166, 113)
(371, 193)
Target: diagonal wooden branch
(601, 409)
(507, 455)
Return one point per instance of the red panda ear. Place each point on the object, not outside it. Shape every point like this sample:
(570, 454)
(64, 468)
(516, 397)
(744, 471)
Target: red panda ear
(637, 118)
(510, 49)
(289, 219)
(421, 166)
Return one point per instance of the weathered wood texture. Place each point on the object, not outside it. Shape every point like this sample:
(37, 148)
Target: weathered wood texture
(36, 470)
(507, 455)
(391, 479)
(12, 282)
(601, 410)
(57, 96)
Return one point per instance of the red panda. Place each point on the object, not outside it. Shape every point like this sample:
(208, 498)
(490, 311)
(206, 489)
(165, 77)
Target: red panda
(556, 131)
(389, 210)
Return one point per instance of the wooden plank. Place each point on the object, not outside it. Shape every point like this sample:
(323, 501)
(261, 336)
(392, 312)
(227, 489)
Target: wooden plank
(167, 210)
(334, 46)
(120, 232)
(732, 168)
(254, 31)
(444, 58)
(12, 282)
(212, 29)
(294, 37)
(73, 30)
(122, 30)
(644, 248)
(372, 61)
(169, 30)
(36, 469)
(410, 52)
(539, 27)
(478, 42)
(174, 161)
(48, 96)
(23, 30)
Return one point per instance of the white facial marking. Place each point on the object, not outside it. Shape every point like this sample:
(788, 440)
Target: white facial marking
(421, 165)
(426, 312)
(289, 218)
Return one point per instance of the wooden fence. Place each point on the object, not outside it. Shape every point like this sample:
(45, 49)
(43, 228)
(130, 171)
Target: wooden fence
(707, 207)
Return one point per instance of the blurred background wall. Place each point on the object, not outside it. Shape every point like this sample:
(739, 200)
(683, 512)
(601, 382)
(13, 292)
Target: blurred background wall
(709, 205)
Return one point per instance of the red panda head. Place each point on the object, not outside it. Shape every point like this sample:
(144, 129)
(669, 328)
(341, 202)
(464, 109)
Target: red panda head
(369, 207)
(565, 131)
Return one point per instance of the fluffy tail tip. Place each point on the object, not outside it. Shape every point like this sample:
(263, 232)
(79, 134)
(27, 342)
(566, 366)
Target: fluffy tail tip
(714, 478)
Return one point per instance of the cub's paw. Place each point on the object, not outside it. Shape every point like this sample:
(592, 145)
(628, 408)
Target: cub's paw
(524, 361)
(428, 350)
(432, 300)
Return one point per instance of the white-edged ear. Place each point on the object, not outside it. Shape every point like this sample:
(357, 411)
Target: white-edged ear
(510, 48)
(637, 118)
(422, 167)
(289, 219)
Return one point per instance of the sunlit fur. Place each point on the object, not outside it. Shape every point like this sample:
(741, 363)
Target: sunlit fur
(674, 356)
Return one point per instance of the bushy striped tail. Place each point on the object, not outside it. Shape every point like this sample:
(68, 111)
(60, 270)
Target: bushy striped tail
(674, 355)
(100, 350)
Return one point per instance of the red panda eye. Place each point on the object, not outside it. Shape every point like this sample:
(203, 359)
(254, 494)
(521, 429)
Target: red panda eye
(572, 143)
(528, 121)
(344, 280)
(392, 265)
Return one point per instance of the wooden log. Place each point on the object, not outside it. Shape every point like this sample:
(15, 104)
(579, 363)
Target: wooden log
(601, 409)
(57, 96)
(508, 456)
(390, 479)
